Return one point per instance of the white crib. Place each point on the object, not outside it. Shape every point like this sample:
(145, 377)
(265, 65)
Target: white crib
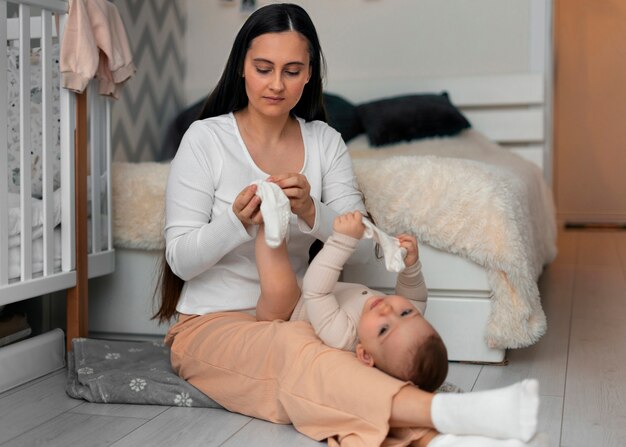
(56, 230)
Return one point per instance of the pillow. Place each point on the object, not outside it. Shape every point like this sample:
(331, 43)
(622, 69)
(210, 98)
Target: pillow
(13, 115)
(406, 118)
(342, 116)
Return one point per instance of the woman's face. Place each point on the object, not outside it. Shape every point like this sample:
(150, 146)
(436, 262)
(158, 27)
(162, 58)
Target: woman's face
(276, 69)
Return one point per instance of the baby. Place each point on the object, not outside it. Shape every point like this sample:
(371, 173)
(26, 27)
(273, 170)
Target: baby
(388, 332)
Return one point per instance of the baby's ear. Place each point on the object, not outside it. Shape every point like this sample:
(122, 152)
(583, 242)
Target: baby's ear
(363, 355)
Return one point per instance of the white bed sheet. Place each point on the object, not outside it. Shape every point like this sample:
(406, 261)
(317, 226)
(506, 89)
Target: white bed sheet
(37, 215)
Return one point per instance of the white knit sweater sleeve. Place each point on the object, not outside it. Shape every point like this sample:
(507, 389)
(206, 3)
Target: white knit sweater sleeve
(195, 238)
(340, 192)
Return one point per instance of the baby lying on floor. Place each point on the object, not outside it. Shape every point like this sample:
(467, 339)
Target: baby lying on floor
(385, 331)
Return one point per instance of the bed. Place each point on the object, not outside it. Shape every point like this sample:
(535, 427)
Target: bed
(56, 230)
(478, 202)
(481, 300)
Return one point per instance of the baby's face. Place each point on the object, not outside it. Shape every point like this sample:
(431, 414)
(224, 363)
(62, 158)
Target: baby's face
(389, 325)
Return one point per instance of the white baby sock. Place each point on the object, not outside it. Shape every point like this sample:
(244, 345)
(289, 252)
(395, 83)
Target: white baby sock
(276, 211)
(505, 413)
(394, 254)
(473, 441)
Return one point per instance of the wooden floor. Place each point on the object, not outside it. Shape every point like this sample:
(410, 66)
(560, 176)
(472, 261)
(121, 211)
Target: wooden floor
(580, 364)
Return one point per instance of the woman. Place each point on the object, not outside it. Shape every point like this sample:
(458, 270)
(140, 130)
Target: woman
(265, 119)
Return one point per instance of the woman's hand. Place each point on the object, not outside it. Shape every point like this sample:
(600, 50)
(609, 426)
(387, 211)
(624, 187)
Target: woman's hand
(410, 243)
(297, 189)
(247, 207)
(350, 224)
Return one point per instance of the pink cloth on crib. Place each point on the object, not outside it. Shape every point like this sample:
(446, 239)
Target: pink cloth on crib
(95, 44)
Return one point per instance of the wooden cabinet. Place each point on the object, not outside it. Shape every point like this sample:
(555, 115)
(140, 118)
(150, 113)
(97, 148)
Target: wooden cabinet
(590, 110)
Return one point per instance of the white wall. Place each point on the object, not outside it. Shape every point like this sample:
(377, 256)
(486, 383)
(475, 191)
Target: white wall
(379, 38)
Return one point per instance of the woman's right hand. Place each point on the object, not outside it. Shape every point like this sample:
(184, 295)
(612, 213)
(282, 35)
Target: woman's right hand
(247, 206)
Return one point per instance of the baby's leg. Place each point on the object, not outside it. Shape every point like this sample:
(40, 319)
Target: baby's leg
(279, 288)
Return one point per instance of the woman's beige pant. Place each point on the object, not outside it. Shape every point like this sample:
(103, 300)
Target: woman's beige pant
(281, 372)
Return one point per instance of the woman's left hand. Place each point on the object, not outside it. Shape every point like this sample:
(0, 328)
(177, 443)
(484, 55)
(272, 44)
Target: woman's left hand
(297, 189)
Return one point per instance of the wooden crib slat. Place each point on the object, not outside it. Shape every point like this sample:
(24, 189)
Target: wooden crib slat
(48, 146)
(4, 190)
(77, 311)
(25, 145)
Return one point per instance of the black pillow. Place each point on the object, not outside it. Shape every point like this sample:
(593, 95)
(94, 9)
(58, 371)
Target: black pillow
(406, 118)
(342, 116)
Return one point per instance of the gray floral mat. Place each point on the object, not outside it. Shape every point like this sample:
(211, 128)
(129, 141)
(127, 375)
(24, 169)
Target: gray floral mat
(130, 372)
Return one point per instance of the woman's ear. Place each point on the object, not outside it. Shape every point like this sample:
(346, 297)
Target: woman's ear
(363, 355)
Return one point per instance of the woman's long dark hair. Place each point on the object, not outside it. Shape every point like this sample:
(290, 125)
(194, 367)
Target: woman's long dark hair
(229, 95)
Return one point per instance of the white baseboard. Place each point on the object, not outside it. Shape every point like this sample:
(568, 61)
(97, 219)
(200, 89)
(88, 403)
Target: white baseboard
(31, 358)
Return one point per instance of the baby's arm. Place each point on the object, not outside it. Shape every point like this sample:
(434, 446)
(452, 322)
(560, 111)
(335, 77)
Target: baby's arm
(279, 288)
(331, 323)
(410, 283)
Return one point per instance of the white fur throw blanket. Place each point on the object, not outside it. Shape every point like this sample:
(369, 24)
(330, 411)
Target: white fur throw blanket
(472, 198)
(498, 214)
(138, 191)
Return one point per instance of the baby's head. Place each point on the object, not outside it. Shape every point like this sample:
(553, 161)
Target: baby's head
(397, 339)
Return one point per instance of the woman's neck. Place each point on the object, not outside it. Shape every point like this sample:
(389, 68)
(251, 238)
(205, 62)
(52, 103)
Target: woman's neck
(263, 129)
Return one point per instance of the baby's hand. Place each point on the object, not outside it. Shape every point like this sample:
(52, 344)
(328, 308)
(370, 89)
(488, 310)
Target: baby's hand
(410, 243)
(350, 224)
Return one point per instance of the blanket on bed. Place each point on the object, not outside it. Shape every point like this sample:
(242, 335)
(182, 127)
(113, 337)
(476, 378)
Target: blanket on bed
(485, 204)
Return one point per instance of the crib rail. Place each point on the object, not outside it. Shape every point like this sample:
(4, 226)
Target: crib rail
(40, 23)
(4, 172)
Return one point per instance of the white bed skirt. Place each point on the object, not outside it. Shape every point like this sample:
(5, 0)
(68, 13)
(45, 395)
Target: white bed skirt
(121, 304)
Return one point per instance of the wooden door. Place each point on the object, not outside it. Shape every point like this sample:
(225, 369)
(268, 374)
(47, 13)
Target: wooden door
(590, 110)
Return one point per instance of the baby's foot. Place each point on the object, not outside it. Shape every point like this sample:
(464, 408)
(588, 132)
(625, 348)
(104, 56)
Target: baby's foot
(503, 413)
(276, 211)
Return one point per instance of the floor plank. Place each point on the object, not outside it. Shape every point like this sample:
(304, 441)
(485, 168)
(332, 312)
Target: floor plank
(60, 372)
(550, 418)
(594, 412)
(463, 375)
(567, 242)
(620, 242)
(597, 248)
(547, 359)
(259, 433)
(34, 405)
(120, 410)
(599, 293)
(187, 427)
(82, 430)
